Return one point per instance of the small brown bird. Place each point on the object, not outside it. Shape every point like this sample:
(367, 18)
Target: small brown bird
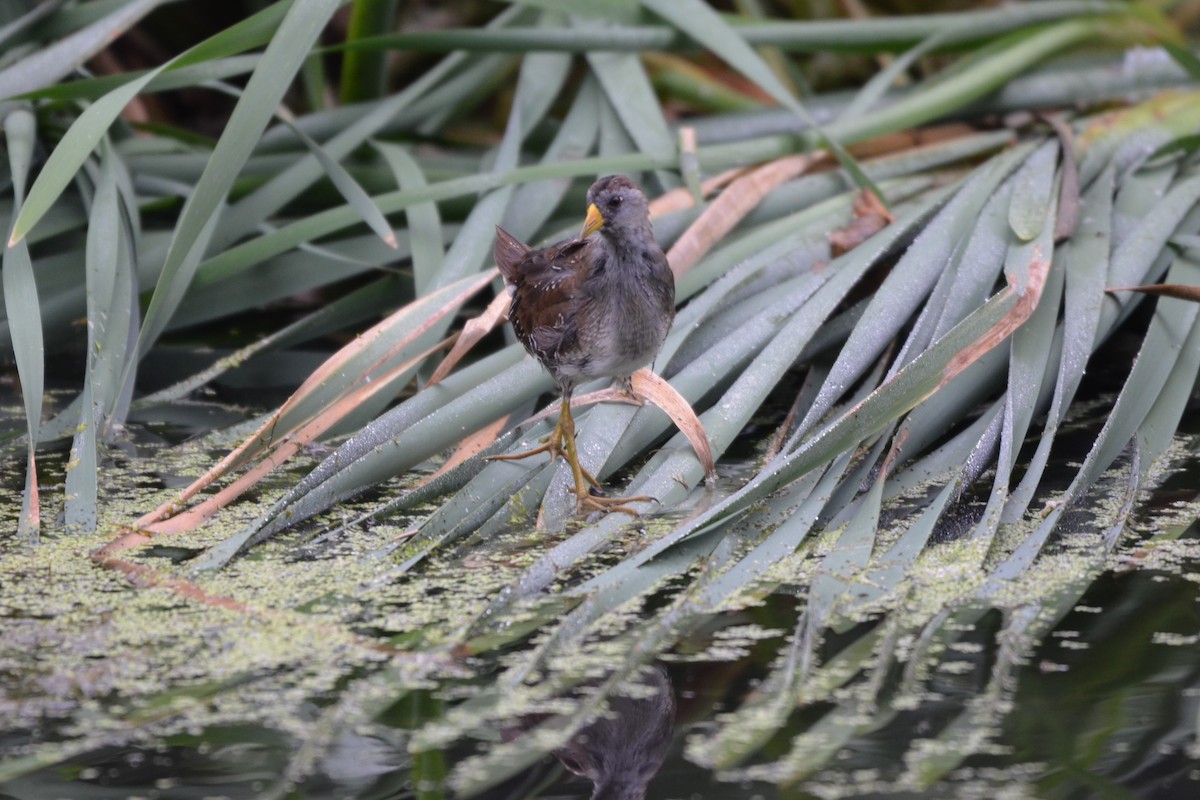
(624, 749)
(592, 307)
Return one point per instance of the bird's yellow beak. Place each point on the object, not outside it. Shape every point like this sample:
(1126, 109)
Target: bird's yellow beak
(593, 223)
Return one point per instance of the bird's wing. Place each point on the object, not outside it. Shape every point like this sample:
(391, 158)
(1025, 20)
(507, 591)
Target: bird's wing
(546, 297)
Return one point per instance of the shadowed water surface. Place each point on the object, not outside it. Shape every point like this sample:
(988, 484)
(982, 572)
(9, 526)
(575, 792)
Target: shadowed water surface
(111, 691)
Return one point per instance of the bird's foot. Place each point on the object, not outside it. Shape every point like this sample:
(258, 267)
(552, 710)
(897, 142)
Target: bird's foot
(625, 387)
(590, 503)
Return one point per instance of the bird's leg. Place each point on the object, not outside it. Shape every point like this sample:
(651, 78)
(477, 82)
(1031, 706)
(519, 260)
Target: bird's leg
(564, 431)
(566, 422)
(562, 443)
(585, 501)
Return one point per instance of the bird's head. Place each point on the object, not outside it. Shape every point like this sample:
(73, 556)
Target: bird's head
(615, 204)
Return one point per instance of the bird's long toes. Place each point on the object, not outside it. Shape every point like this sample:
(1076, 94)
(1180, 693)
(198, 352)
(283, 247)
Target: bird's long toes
(607, 505)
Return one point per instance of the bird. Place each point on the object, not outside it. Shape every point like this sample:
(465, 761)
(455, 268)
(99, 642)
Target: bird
(623, 749)
(595, 306)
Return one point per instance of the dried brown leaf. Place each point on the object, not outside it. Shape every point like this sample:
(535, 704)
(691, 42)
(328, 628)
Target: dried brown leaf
(870, 217)
(681, 198)
(650, 386)
(300, 438)
(732, 205)
(474, 330)
(1039, 268)
(477, 442)
(1176, 290)
(268, 435)
(1067, 219)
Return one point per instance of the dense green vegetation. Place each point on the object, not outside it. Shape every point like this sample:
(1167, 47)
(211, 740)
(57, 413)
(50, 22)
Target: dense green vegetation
(896, 241)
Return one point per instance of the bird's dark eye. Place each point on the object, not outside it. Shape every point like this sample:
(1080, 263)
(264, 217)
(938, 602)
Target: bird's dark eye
(614, 202)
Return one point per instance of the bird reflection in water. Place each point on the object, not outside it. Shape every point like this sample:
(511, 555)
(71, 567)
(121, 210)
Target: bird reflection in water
(621, 751)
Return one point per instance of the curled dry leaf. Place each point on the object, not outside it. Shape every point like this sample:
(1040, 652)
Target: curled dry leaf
(650, 386)
(607, 395)
(870, 217)
(1067, 219)
(1039, 268)
(646, 386)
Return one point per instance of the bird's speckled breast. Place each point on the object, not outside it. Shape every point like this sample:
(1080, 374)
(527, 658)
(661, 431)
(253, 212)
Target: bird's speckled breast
(637, 298)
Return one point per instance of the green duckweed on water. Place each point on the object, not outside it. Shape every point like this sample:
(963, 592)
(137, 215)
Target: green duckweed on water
(90, 660)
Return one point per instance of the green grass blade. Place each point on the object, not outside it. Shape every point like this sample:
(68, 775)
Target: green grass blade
(213, 296)
(1085, 263)
(280, 63)
(350, 190)
(72, 150)
(907, 388)
(941, 97)
(874, 90)
(343, 313)
(372, 454)
(907, 285)
(613, 10)
(81, 479)
(51, 64)
(254, 31)
(101, 267)
(1171, 330)
(534, 202)
(632, 97)
(870, 35)
(247, 213)
(364, 72)
(85, 133)
(702, 23)
(183, 77)
(36, 14)
(1185, 58)
(24, 315)
(1033, 346)
(1027, 212)
(661, 477)
(424, 221)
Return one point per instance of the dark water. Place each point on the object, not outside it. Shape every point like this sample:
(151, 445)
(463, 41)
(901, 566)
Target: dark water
(1107, 706)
